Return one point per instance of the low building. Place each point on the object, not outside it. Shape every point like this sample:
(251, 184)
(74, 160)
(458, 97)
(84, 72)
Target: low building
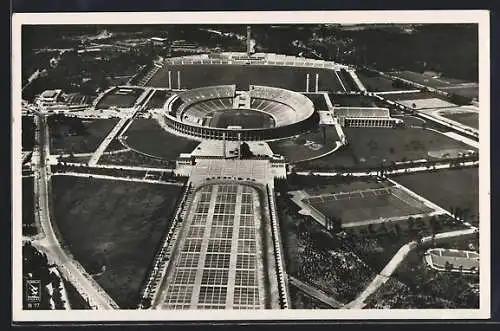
(365, 117)
(49, 98)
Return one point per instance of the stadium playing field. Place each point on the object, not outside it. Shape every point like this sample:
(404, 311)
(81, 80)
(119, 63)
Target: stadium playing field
(292, 78)
(369, 204)
(246, 118)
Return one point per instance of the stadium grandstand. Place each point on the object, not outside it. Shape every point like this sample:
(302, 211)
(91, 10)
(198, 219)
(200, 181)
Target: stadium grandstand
(217, 112)
(364, 117)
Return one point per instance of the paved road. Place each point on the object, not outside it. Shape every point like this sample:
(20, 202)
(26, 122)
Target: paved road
(388, 172)
(126, 179)
(314, 292)
(105, 143)
(70, 268)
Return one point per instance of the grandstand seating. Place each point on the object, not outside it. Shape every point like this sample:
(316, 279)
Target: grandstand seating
(355, 112)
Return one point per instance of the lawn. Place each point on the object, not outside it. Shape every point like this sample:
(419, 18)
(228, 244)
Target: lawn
(369, 147)
(467, 118)
(74, 135)
(448, 188)
(378, 83)
(148, 137)
(113, 228)
(306, 145)
(158, 99)
(28, 133)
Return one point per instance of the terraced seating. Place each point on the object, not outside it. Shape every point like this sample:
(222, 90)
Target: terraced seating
(208, 93)
(355, 112)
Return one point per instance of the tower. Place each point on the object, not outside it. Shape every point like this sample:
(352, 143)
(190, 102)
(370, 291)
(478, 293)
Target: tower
(249, 41)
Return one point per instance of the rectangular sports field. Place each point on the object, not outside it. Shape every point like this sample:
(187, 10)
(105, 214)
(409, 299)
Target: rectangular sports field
(120, 98)
(292, 78)
(117, 225)
(447, 188)
(368, 204)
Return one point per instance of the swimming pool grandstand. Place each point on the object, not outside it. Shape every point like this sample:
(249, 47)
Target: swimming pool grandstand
(453, 260)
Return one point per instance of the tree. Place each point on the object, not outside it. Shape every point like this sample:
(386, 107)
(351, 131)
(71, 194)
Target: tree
(245, 151)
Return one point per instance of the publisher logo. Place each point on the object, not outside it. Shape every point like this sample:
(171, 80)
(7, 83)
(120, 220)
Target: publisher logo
(33, 290)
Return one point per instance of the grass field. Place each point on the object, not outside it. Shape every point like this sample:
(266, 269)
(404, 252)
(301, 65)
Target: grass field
(158, 99)
(359, 206)
(368, 147)
(467, 118)
(113, 228)
(28, 133)
(346, 100)
(28, 201)
(246, 118)
(306, 145)
(119, 100)
(447, 188)
(292, 78)
(147, 136)
(63, 138)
